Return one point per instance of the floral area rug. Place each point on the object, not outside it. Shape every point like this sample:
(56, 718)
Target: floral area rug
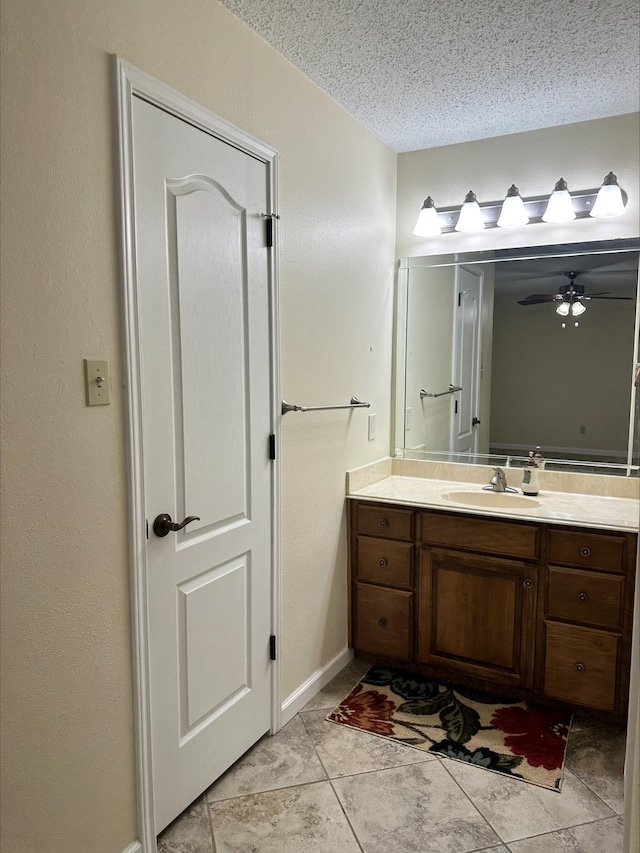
(515, 738)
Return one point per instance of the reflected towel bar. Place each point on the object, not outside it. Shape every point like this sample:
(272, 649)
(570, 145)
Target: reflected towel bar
(452, 390)
(291, 407)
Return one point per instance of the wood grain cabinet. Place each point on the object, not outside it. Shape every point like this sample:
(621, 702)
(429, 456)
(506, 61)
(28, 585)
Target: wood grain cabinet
(585, 618)
(541, 608)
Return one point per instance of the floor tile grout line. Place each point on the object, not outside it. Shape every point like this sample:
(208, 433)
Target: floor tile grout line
(268, 791)
(474, 804)
(595, 793)
(563, 829)
(346, 816)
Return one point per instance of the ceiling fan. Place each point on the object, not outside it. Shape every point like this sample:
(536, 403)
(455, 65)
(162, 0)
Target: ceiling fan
(570, 296)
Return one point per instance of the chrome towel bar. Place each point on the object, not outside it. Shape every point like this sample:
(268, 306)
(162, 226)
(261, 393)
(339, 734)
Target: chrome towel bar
(452, 390)
(291, 407)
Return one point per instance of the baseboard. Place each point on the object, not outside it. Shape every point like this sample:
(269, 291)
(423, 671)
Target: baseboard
(314, 684)
(136, 847)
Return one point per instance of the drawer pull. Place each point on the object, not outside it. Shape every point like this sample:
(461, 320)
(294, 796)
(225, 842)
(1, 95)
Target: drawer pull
(382, 622)
(579, 667)
(383, 522)
(582, 596)
(527, 583)
(382, 562)
(585, 552)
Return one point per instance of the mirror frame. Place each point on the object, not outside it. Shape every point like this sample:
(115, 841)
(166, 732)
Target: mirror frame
(563, 250)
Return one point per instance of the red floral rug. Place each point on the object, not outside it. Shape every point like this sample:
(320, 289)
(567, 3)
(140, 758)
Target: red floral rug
(515, 738)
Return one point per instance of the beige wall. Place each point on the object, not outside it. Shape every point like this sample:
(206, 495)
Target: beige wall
(581, 153)
(67, 706)
(549, 383)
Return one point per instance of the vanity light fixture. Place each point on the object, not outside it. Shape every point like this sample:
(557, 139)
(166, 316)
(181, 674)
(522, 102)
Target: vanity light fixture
(559, 206)
(515, 211)
(609, 201)
(427, 224)
(470, 218)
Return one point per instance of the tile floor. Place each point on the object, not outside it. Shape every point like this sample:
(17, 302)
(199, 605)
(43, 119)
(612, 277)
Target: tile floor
(317, 787)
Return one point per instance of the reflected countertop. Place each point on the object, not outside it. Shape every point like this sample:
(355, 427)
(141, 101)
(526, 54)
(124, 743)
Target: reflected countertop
(583, 510)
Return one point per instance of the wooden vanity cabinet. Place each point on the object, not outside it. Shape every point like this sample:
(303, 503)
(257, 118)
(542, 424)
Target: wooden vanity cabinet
(545, 609)
(382, 580)
(585, 618)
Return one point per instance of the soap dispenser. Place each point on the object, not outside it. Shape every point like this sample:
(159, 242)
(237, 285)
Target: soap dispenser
(530, 484)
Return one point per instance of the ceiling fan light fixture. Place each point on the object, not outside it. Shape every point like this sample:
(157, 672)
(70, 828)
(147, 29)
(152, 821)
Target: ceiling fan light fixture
(609, 202)
(559, 206)
(577, 308)
(470, 218)
(563, 309)
(513, 211)
(427, 224)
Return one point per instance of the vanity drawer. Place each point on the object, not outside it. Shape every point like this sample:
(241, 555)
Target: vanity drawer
(384, 622)
(381, 520)
(593, 598)
(580, 665)
(384, 561)
(588, 550)
(506, 538)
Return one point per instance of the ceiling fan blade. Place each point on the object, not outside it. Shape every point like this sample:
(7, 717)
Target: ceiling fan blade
(622, 298)
(537, 298)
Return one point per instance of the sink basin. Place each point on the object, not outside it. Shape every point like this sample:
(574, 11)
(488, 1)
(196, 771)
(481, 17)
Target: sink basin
(493, 500)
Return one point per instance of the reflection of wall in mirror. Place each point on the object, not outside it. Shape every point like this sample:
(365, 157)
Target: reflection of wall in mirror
(566, 388)
(429, 353)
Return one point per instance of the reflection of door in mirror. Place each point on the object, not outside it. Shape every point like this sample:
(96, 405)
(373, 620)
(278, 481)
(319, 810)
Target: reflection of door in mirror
(465, 419)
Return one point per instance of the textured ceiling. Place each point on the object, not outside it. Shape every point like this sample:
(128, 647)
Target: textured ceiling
(422, 73)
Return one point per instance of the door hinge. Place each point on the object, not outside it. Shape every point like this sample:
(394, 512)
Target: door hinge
(272, 647)
(272, 447)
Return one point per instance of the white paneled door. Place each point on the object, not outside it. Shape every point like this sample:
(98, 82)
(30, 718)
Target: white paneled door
(203, 315)
(466, 360)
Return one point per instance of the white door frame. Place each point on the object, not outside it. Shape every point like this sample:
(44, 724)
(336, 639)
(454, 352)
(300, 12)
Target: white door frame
(128, 82)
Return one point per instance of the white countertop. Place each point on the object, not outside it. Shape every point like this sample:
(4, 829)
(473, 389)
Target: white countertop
(580, 510)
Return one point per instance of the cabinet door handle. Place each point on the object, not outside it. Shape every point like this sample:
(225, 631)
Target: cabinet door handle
(527, 583)
(382, 562)
(582, 596)
(383, 522)
(579, 667)
(382, 622)
(585, 552)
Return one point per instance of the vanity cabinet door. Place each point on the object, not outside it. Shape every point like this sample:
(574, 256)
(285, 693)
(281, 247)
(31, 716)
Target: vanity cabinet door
(477, 615)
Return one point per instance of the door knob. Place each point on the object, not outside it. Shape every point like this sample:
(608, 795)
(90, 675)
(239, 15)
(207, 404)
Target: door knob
(163, 525)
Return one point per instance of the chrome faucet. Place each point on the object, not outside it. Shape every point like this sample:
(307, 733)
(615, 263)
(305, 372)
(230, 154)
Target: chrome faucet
(498, 483)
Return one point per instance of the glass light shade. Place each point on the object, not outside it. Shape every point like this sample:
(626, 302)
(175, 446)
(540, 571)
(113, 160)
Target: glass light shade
(578, 308)
(470, 218)
(563, 309)
(513, 212)
(559, 207)
(609, 199)
(427, 224)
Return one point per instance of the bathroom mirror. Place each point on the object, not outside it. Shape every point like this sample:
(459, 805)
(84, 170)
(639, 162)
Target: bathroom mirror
(482, 377)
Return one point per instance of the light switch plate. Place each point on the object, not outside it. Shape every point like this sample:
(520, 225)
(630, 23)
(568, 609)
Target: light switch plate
(97, 382)
(372, 427)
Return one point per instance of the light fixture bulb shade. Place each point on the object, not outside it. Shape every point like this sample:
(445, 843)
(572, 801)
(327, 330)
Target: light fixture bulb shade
(470, 218)
(578, 308)
(513, 211)
(427, 224)
(559, 206)
(563, 309)
(609, 201)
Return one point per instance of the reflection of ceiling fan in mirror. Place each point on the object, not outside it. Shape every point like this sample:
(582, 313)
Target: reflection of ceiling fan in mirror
(571, 297)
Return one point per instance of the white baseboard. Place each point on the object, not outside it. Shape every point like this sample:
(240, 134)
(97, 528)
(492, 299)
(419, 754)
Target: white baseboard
(136, 847)
(314, 684)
